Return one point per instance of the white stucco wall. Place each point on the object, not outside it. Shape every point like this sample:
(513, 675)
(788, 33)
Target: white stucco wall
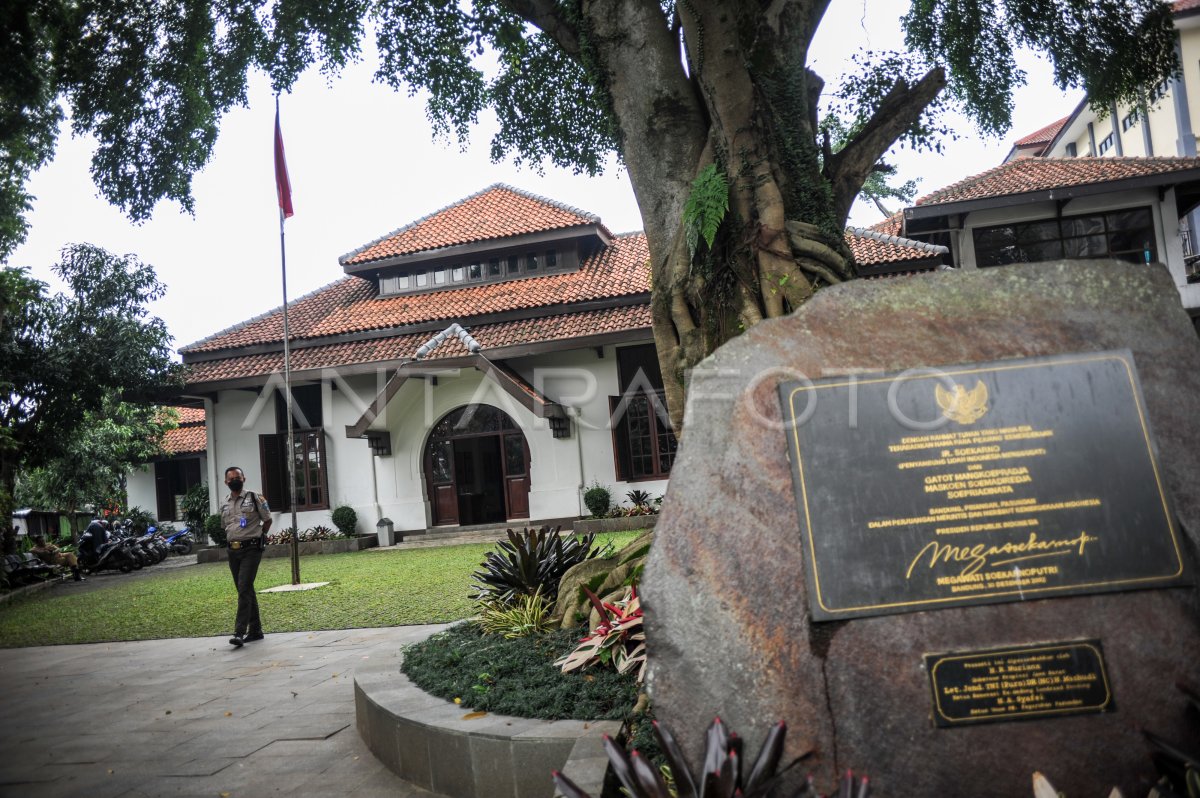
(139, 486)
(394, 486)
(578, 379)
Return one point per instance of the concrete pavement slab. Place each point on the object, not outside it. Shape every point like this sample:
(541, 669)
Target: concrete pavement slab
(148, 718)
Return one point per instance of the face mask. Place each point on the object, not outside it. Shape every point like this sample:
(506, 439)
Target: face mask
(235, 485)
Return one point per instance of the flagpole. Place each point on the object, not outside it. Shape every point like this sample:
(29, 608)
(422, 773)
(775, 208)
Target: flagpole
(287, 365)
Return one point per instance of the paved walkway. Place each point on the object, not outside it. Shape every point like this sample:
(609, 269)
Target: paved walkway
(194, 717)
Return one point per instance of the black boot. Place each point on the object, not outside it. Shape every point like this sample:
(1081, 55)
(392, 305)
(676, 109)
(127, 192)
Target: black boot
(77, 575)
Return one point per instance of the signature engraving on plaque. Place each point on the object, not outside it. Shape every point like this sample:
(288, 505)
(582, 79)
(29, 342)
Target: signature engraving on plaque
(982, 555)
(961, 405)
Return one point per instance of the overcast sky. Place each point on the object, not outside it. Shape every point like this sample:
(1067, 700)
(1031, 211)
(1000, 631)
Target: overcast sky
(363, 162)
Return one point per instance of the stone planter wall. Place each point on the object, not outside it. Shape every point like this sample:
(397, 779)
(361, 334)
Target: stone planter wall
(308, 547)
(615, 524)
(428, 741)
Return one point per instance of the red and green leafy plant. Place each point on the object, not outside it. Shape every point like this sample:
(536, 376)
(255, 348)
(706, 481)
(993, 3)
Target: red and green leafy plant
(722, 775)
(619, 640)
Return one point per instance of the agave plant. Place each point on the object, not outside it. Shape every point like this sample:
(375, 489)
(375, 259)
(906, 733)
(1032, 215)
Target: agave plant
(722, 775)
(528, 563)
(638, 498)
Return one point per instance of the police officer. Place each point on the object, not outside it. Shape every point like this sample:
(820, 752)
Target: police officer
(246, 518)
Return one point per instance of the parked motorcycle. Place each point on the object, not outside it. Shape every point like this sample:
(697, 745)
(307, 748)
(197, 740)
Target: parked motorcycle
(181, 541)
(96, 551)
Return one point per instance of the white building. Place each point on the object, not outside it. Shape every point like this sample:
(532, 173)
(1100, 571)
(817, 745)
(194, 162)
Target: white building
(549, 383)
(161, 485)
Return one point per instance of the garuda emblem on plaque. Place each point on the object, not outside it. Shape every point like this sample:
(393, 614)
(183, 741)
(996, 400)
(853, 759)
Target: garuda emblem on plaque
(961, 405)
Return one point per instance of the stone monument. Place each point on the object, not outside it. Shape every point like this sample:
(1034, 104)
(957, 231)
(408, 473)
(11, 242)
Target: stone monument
(1001, 583)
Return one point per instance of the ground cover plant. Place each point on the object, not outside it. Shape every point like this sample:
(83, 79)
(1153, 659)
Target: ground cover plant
(368, 588)
(516, 676)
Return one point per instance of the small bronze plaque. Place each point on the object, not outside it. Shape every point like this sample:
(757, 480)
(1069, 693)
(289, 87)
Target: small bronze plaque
(977, 484)
(1024, 683)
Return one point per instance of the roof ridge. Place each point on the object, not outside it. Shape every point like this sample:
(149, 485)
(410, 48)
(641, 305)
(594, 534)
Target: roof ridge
(260, 317)
(562, 206)
(886, 238)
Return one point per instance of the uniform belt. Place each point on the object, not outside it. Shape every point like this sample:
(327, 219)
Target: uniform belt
(253, 543)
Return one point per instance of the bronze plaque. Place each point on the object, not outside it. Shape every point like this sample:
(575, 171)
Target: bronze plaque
(1022, 683)
(977, 484)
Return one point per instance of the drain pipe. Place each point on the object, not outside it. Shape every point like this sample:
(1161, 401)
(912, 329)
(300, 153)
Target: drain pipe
(375, 489)
(455, 329)
(576, 414)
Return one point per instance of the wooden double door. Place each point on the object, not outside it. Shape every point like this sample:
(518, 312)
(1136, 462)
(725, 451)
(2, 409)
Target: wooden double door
(477, 468)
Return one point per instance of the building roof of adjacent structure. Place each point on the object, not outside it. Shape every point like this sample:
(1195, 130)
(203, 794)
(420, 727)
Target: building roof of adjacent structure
(496, 213)
(1186, 6)
(877, 248)
(190, 437)
(1042, 135)
(1030, 176)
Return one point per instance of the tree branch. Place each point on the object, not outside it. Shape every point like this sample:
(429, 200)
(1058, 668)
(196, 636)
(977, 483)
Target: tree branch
(900, 110)
(548, 17)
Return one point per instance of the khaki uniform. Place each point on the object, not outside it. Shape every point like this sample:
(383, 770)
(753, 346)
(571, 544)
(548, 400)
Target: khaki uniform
(243, 519)
(233, 511)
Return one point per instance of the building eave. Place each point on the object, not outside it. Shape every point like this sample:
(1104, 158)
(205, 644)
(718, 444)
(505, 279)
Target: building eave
(1165, 179)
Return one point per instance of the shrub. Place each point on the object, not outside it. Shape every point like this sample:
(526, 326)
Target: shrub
(529, 563)
(315, 533)
(215, 529)
(166, 529)
(346, 520)
(527, 616)
(142, 519)
(597, 499)
(194, 506)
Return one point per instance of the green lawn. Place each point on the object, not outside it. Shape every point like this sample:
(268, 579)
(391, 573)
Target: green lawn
(367, 588)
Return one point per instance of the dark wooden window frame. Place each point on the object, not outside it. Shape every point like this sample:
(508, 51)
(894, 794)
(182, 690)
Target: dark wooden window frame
(622, 451)
(276, 482)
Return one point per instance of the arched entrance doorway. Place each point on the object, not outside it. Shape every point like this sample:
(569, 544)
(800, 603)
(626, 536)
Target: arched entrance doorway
(477, 468)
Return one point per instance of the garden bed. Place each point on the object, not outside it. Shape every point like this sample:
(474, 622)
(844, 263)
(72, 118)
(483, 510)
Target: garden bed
(339, 546)
(435, 744)
(623, 524)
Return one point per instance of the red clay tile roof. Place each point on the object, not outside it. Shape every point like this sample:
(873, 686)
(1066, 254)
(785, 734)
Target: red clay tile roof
(497, 212)
(351, 305)
(1044, 174)
(189, 415)
(190, 436)
(1044, 135)
(490, 336)
(892, 226)
(1185, 5)
(872, 251)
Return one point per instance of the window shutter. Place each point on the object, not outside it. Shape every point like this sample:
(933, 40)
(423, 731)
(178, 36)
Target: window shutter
(620, 433)
(271, 450)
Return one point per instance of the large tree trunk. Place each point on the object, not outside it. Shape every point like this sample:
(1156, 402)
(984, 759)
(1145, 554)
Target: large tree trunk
(8, 484)
(748, 102)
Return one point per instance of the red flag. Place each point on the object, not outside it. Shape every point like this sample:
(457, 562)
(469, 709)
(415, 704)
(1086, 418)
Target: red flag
(283, 186)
